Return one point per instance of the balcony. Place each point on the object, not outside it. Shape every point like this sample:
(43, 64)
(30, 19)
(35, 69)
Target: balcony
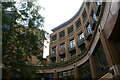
(62, 52)
(53, 55)
(72, 50)
(81, 42)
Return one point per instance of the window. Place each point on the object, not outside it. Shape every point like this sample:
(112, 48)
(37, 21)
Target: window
(81, 36)
(64, 74)
(88, 5)
(62, 34)
(93, 15)
(54, 38)
(99, 2)
(54, 50)
(78, 23)
(72, 43)
(98, 6)
(89, 30)
(84, 15)
(70, 30)
(62, 45)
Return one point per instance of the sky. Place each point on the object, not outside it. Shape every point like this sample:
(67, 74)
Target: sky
(57, 12)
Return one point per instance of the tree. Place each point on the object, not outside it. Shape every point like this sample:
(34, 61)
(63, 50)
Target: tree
(21, 36)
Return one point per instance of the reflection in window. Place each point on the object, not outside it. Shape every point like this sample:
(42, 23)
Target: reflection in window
(78, 23)
(70, 30)
(84, 15)
(62, 46)
(54, 38)
(54, 50)
(81, 36)
(62, 34)
(93, 16)
(88, 5)
(72, 43)
(89, 30)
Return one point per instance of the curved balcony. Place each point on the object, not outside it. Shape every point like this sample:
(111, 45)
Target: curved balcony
(92, 39)
(76, 58)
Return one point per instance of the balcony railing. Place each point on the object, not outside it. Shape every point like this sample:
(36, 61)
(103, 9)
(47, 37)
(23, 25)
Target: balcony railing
(72, 50)
(80, 42)
(53, 55)
(63, 63)
(82, 53)
(62, 51)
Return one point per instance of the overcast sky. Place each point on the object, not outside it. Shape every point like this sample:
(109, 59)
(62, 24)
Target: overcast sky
(57, 12)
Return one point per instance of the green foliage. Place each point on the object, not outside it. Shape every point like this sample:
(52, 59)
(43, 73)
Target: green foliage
(21, 35)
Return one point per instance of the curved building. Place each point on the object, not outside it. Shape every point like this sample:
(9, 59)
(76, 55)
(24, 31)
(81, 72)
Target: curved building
(87, 45)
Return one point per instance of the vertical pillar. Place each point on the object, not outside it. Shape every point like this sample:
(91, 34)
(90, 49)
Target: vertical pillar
(57, 50)
(76, 73)
(57, 54)
(50, 50)
(67, 45)
(93, 67)
(55, 75)
(76, 43)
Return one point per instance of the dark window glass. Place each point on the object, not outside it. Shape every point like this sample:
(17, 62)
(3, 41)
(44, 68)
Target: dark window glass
(54, 50)
(54, 38)
(84, 15)
(70, 30)
(62, 34)
(88, 5)
(78, 23)
(62, 45)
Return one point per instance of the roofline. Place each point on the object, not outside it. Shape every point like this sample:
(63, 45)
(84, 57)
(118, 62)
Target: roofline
(69, 21)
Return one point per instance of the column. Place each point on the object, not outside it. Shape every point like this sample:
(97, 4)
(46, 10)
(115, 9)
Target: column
(76, 73)
(93, 67)
(57, 50)
(55, 75)
(76, 41)
(57, 54)
(67, 45)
